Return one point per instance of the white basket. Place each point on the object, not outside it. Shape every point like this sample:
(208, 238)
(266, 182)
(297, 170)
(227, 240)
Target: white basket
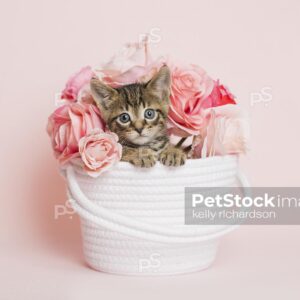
(133, 219)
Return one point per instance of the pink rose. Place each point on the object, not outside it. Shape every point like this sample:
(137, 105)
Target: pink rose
(192, 92)
(78, 84)
(190, 87)
(226, 131)
(132, 64)
(68, 124)
(99, 151)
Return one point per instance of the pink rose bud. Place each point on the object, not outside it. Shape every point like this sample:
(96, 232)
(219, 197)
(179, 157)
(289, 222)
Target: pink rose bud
(99, 151)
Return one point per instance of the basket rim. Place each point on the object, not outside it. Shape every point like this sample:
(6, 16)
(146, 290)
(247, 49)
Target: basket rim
(158, 167)
(189, 162)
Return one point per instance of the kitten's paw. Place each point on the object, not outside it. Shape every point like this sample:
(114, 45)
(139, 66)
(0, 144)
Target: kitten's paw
(145, 159)
(143, 162)
(173, 157)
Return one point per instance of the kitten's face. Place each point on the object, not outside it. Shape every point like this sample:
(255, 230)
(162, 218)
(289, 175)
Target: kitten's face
(137, 113)
(136, 117)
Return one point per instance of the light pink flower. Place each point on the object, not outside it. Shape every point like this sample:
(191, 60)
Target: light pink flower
(192, 92)
(190, 88)
(131, 65)
(99, 151)
(78, 84)
(226, 131)
(68, 124)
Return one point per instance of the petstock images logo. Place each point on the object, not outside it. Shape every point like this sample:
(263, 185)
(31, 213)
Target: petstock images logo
(250, 206)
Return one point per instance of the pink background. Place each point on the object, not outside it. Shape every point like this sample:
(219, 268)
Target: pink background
(250, 45)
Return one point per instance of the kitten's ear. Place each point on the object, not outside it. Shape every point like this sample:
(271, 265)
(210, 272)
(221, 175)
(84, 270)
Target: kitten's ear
(160, 84)
(104, 95)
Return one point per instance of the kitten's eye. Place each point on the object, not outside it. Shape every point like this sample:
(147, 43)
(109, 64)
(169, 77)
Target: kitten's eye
(149, 114)
(124, 118)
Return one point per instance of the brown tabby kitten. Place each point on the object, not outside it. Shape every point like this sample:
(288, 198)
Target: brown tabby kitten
(137, 113)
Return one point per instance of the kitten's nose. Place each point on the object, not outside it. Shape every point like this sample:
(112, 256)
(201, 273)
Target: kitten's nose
(139, 130)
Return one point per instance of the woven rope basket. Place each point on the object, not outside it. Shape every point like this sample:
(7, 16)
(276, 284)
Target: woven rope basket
(133, 219)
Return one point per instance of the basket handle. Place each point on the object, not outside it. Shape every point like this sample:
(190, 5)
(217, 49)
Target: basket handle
(102, 216)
